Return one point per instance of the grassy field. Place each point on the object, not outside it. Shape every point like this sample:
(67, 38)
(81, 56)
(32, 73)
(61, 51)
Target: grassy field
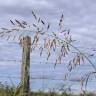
(62, 94)
(6, 90)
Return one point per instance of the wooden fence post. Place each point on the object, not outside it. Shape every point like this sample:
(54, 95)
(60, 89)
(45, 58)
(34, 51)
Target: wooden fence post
(25, 71)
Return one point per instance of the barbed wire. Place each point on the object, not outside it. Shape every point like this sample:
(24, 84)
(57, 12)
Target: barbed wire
(38, 62)
(12, 43)
(41, 77)
(45, 78)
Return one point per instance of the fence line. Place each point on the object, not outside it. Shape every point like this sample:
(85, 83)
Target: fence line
(94, 49)
(33, 61)
(41, 77)
(45, 78)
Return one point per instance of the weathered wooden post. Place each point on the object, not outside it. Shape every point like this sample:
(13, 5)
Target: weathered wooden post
(25, 73)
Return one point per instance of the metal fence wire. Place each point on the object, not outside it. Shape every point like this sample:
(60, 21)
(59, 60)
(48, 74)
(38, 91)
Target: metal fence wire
(43, 76)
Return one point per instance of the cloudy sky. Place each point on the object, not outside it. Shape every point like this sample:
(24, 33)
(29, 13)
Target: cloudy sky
(79, 16)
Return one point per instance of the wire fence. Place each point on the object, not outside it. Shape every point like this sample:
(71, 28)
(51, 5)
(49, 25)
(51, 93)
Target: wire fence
(44, 83)
(41, 77)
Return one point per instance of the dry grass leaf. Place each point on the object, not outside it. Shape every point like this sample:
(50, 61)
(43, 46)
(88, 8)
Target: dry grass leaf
(52, 43)
(14, 29)
(74, 59)
(86, 81)
(34, 15)
(54, 33)
(68, 47)
(1, 32)
(59, 59)
(78, 60)
(62, 16)
(4, 28)
(42, 33)
(48, 26)
(41, 50)
(70, 67)
(2, 35)
(8, 31)
(46, 43)
(8, 37)
(70, 38)
(21, 41)
(49, 43)
(39, 20)
(82, 58)
(34, 25)
(63, 31)
(34, 40)
(68, 31)
(20, 36)
(48, 55)
(12, 22)
(14, 37)
(19, 23)
(55, 63)
(82, 82)
(65, 50)
(61, 21)
(66, 76)
(42, 22)
(24, 22)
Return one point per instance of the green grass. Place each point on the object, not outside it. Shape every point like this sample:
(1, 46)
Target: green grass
(6, 90)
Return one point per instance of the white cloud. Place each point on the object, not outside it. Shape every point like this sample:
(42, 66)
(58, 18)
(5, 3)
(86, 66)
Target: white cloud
(26, 3)
(8, 2)
(79, 14)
